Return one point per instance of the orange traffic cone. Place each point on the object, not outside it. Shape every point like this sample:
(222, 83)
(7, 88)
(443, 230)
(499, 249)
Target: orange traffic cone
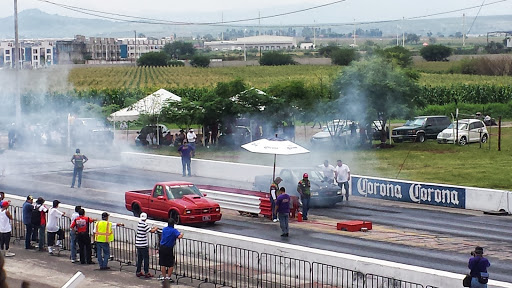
(299, 217)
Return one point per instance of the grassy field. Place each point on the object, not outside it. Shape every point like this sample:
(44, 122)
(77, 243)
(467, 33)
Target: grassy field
(467, 165)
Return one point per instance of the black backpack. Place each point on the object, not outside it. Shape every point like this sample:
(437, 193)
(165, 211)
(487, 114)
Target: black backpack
(35, 218)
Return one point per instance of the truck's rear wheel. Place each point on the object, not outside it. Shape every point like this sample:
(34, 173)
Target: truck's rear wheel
(175, 215)
(136, 210)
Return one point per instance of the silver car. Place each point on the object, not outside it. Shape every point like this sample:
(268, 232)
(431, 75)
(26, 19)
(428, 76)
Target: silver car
(469, 131)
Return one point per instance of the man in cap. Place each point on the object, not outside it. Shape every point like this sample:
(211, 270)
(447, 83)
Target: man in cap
(304, 189)
(478, 265)
(78, 161)
(5, 229)
(41, 226)
(166, 260)
(142, 245)
(274, 188)
(103, 235)
(186, 152)
(81, 227)
(52, 227)
(27, 220)
(283, 210)
(191, 138)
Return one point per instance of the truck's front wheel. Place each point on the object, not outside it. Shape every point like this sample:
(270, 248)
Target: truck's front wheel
(136, 210)
(175, 215)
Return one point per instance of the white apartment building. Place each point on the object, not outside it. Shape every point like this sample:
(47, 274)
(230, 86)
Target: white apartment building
(129, 48)
(33, 53)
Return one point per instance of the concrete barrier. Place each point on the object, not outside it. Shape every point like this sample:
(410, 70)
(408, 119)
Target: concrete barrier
(424, 276)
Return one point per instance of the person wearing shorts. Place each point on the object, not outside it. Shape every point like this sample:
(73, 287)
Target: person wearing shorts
(166, 261)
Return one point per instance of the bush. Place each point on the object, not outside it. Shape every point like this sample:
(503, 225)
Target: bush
(435, 52)
(152, 59)
(343, 56)
(175, 63)
(499, 66)
(275, 58)
(200, 61)
(397, 54)
(328, 50)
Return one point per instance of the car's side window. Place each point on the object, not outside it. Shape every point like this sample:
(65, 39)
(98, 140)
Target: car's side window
(159, 191)
(430, 121)
(479, 125)
(472, 126)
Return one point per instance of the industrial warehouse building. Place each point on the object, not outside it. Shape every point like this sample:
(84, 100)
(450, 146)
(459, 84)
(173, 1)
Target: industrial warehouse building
(262, 42)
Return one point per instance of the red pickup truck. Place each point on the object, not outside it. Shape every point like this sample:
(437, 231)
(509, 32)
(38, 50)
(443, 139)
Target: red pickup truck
(177, 199)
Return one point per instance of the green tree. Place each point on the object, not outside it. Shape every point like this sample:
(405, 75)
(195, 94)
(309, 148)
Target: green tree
(328, 50)
(152, 59)
(200, 61)
(435, 52)
(375, 90)
(410, 38)
(343, 56)
(179, 50)
(397, 54)
(275, 58)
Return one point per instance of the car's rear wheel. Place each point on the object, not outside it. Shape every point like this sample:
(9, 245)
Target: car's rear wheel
(420, 138)
(136, 210)
(463, 141)
(484, 138)
(175, 215)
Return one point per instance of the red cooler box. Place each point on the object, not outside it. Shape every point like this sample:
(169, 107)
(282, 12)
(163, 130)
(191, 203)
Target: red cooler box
(354, 225)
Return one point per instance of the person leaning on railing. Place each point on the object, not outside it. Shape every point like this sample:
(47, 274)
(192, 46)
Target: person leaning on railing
(103, 235)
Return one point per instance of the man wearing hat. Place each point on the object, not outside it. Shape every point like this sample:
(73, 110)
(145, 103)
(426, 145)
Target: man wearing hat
(52, 227)
(39, 228)
(186, 152)
(142, 245)
(78, 161)
(191, 138)
(304, 189)
(103, 235)
(478, 268)
(274, 187)
(5, 229)
(27, 220)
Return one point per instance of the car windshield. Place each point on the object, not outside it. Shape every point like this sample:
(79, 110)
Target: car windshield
(177, 192)
(416, 122)
(462, 126)
(314, 174)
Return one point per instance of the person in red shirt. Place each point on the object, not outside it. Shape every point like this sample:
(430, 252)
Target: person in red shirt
(81, 226)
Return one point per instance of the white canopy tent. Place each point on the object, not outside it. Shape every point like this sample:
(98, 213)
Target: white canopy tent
(151, 105)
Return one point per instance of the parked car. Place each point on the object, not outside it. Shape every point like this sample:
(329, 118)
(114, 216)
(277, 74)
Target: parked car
(322, 193)
(420, 128)
(86, 131)
(337, 132)
(142, 137)
(469, 131)
(179, 200)
(237, 137)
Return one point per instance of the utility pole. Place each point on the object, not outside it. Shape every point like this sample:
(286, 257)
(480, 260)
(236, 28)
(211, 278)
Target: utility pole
(355, 41)
(135, 31)
(463, 29)
(403, 32)
(17, 65)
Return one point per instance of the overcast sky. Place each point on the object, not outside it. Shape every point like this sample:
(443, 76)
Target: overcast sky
(215, 10)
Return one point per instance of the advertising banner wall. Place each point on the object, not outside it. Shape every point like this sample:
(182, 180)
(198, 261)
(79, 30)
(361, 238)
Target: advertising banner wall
(411, 192)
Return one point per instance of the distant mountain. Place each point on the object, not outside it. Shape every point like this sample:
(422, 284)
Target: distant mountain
(34, 23)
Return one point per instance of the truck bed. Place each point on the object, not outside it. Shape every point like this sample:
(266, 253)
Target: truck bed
(144, 192)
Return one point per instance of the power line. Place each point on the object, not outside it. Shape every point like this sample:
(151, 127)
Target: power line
(144, 20)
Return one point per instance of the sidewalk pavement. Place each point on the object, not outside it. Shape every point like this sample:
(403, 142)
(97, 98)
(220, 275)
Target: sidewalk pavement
(42, 270)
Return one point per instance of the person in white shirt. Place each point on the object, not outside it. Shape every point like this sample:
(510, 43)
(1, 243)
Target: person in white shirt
(52, 227)
(5, 229)
(191, 138)
(328, 170)
(342, 177)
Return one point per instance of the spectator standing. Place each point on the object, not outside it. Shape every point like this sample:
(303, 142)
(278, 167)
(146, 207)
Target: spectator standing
(478, 265)
(72, 235)
(186, 151)
(304, 189)
(103, 235)
(329, 171)
(142, 245)
(191, 138)
(342, 177)
(283, 210)
(5, 229)
(81, 227)
(2, 196)
(39, 221)
(53, 228)
(78, 161)
(166, 260)
(27, 220)
(274, 191)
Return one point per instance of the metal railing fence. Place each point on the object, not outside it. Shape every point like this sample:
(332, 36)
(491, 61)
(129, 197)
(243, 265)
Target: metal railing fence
(227, 266)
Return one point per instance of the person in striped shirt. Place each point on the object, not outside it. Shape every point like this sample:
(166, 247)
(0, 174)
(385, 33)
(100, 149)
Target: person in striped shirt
(142, 245)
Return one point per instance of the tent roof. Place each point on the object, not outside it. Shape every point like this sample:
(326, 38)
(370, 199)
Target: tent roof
(151, 104)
